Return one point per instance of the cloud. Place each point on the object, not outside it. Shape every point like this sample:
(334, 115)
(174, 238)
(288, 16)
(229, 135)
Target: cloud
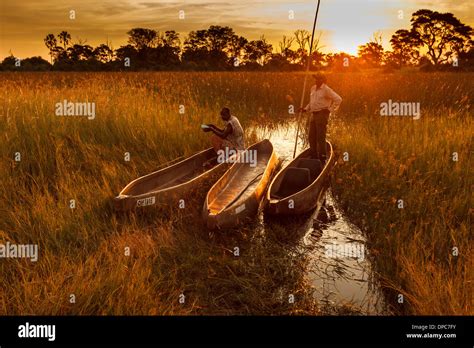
(345, 23)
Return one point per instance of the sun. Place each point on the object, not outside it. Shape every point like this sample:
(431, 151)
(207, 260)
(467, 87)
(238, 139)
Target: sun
(341, 45)
(350, 24)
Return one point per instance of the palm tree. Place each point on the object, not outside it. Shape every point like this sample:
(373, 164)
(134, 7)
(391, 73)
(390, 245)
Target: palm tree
(51, 43)
(64, 38)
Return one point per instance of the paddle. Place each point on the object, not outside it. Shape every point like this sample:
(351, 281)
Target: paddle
(305, 79)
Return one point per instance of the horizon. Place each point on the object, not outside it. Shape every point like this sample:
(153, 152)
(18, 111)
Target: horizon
(24, 25)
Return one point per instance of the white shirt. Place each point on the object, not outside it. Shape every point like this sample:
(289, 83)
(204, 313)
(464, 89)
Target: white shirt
(236, 138)
(323, 98)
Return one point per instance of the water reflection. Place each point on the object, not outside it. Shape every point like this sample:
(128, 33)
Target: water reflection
(339, 270)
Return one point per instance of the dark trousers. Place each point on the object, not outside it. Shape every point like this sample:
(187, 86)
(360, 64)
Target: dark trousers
(317, 133)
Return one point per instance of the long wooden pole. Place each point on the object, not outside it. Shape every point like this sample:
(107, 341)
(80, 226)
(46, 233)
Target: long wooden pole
(308, 65)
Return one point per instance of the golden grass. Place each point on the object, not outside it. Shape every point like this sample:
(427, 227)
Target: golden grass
(82, 249)
(412, 247)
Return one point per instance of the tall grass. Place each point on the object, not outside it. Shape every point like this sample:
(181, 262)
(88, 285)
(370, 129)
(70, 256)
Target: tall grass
(393, 159)
(82, 249)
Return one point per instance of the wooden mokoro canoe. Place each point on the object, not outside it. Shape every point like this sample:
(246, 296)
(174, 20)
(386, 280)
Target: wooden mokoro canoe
(301, 185)
(236, 196)
(168, 185)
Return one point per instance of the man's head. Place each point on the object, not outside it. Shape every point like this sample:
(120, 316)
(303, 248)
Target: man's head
(319, 79)
(225, 114)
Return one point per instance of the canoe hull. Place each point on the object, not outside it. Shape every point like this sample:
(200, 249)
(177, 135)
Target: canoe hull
(305, 200)
(168, 196)
(237, 214)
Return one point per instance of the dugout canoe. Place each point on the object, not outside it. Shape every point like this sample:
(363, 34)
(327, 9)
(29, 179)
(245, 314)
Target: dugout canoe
(168, 185)
(236, 196)
(301, 185)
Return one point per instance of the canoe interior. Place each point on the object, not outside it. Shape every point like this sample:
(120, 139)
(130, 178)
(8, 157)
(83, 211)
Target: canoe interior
(173, 175)
(298, 175)
(240, 181)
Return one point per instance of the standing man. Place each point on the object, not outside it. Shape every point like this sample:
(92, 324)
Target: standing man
(323, 101)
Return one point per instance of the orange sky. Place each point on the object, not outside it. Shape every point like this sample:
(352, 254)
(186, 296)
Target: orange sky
(345, 24)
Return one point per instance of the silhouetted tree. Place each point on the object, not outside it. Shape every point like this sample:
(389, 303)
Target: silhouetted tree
(166, 54)
(442, 34)
(27, 64)
(317, 59)
(64, 38)
(219, 38)
(80, 52)
(170, 38)
(141, 38)
(124, 52)
(35, 64)
(51, 43)
(372, 53)
(286, 52)
(237, 49)
(466, 60)
(278, 62)
(340, 61)
(258, 51)
(197, 51)
(103, 53)
(302, 38)
(210, 48)
(404, 44)
(9, 63)
(150, 49)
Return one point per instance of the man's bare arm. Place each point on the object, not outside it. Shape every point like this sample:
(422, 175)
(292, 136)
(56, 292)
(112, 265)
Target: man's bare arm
(222, 133)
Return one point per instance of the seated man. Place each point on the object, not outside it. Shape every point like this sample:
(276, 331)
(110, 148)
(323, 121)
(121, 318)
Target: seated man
(231, 137)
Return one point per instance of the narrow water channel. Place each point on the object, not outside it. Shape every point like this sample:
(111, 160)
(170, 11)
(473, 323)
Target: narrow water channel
(340, 269)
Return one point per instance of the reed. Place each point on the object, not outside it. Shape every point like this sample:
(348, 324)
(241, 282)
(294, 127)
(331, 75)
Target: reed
(393, 159)
(82, 250)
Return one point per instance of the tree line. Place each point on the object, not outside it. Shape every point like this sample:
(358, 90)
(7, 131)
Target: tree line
(434, 41)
